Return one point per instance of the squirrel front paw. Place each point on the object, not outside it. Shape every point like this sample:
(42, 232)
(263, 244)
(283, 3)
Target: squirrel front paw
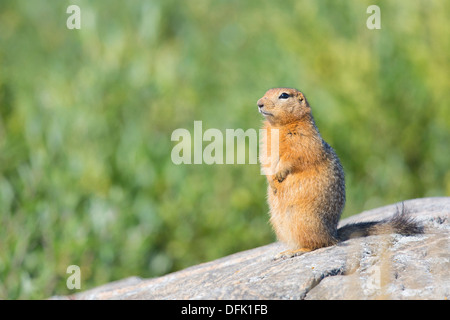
(281, 175)
(282, 170)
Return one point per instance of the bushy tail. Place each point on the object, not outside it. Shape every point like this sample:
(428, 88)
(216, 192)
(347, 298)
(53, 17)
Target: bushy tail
(400, 223)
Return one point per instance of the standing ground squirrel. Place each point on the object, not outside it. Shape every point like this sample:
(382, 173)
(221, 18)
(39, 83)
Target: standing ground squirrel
(306, 191)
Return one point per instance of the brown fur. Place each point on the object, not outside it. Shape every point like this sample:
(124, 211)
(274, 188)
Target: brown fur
(306, 191)
(400, 223)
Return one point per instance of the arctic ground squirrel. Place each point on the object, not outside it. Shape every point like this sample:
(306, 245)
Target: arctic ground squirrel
(306, 184)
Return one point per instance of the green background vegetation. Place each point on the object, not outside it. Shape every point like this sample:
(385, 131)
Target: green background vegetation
(86, 118)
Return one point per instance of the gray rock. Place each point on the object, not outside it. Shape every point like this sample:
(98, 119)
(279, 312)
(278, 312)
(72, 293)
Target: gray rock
(374, 267)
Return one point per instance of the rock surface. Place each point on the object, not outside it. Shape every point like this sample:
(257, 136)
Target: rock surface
(374, 267)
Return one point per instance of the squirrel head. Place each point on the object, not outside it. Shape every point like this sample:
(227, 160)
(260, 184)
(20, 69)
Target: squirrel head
(281, 106)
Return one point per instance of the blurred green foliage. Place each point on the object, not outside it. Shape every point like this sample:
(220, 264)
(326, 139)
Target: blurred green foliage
(86, 118)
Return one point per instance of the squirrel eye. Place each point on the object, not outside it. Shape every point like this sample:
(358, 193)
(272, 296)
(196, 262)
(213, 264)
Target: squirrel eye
(284, 95)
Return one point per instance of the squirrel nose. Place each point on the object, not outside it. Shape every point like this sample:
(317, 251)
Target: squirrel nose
(260, 104)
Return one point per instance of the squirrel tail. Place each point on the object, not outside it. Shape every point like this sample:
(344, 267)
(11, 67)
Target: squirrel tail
(400, 223)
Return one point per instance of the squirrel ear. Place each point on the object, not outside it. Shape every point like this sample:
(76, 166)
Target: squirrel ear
(300, 96)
